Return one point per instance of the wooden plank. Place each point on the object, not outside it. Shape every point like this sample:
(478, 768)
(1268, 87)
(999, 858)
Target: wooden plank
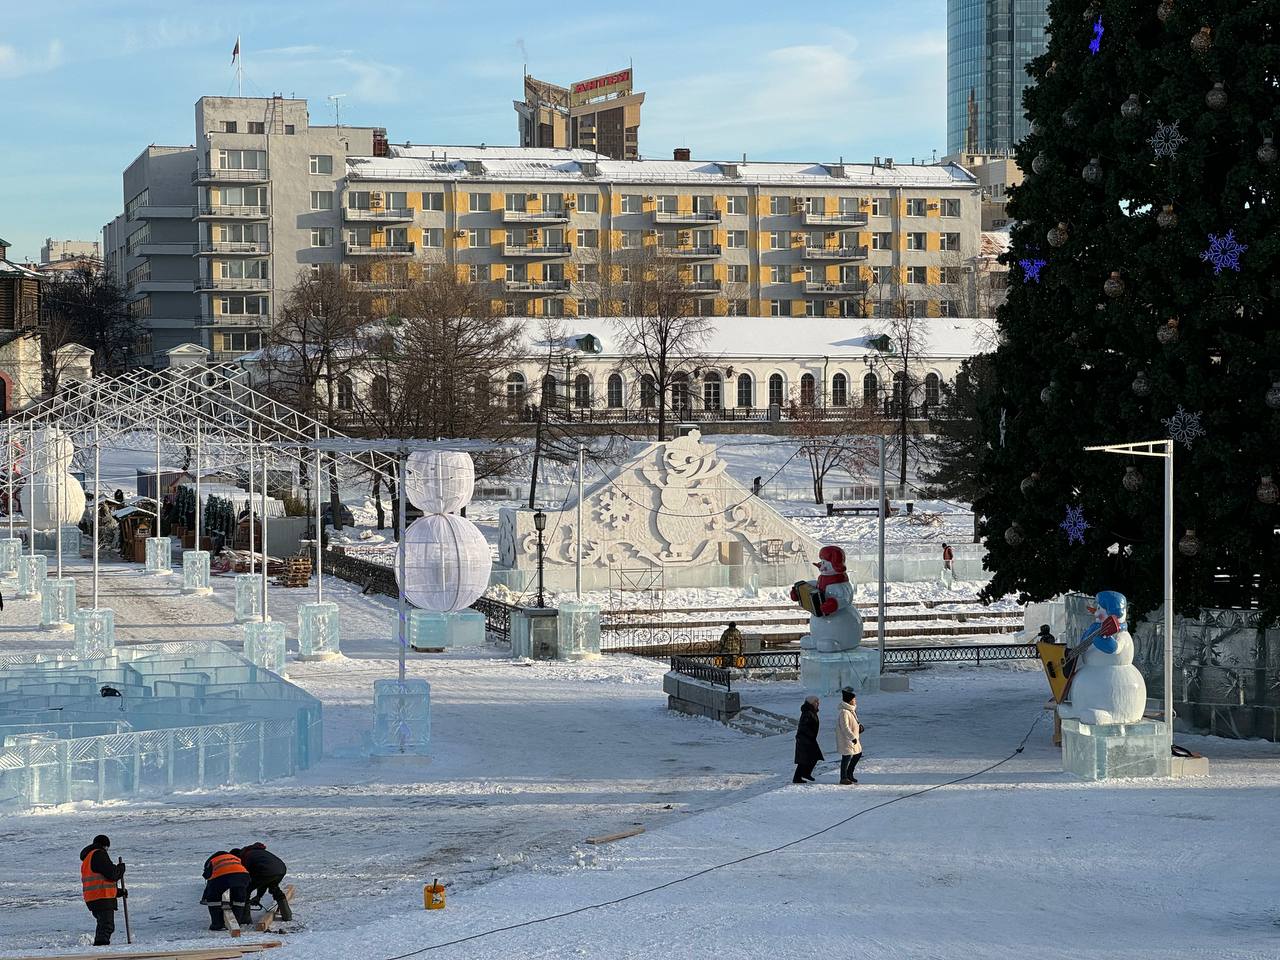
(229, 915)
(610, 837)
(269, 916)
(228, 952)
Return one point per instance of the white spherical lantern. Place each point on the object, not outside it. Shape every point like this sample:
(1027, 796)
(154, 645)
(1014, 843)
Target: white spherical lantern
(54, 501)
(446, 563)
(51, 450)
(440, 481)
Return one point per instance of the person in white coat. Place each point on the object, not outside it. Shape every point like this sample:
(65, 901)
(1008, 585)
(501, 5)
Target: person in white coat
(848, 736)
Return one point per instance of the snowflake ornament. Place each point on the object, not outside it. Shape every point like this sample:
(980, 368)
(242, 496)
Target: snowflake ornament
(1166, 140)
(1075, 525)
(1184, 426)
(1224, 252)
(1031, 268)
(1096, 43)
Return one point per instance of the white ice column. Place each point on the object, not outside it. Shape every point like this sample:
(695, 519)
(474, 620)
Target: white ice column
(159, 555)
(10, 553)
(318, 631)
(195, 572)
(32, 572)
(248, 597)
(401, 717)
(57, 603)
(95, 633)
(264, 645)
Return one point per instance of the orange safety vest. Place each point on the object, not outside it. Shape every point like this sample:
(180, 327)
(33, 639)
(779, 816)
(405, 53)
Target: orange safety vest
(96, 886)
(225, 864)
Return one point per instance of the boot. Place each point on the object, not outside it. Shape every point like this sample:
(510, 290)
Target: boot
(283, 913)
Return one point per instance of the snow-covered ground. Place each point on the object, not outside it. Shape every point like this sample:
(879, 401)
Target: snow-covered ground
(530, 759)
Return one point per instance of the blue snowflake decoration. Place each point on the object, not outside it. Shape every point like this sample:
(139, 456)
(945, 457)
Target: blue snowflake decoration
(1031, 268)
(1184, 426)
(1096, 43)
(1075, 525)
(1224, 252)
(1166, 140)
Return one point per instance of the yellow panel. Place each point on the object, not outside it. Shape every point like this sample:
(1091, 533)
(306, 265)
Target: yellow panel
(932, 207)
(762, 205)
(497, 201)
(721, 204)
(415, 237)
(571, 306)
(378, 305)
(414, 199)
(684, 203)
(720, 307)
(797, 308)
(215, 196)
(499, 237)
(721, 237)
(833, 273)
(932, 241)
(721, 272)
(933, 274)
(615, 203)
(755, 307)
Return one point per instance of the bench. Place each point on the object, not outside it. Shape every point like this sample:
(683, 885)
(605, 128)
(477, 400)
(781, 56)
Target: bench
(856, 510)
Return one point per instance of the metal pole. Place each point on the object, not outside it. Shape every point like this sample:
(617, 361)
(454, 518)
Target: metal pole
(579, 572)
(9, 434)
(263, 456)
(57, 487)
(29, 506)
(400, 602)
(880, 625)
(251, 537)
(198, 512)
(1168, 585)
(157, 478)
(319, 527)
(97, 479)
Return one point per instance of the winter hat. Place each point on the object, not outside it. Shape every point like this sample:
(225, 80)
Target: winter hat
(102, 840)
(847, 695)
(834, 555)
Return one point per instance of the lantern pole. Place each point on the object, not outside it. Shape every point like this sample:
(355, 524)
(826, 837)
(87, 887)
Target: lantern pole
(400, 602)
(319, 527)
(158, 481)
(263, 457)
(880, 624)
(198, 512)
(57, 487)
(29, 507)
(9, 444)
(250, 504)
(97, 479)
(578, 578)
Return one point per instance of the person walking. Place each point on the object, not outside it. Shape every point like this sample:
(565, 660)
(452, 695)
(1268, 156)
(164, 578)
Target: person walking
(731, 641)
(848, 736)
(948, 565)
(808, 753)
(98, 880)
(224, 872)
(266, 872)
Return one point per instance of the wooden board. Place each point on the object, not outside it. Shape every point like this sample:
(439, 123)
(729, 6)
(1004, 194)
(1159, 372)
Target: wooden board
(610, 837)
(269, 916)
(210, 953)
(229, 916)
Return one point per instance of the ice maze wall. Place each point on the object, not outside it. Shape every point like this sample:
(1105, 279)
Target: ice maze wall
(190, 715)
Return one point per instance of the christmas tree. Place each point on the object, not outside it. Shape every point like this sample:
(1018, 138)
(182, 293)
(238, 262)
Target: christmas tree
(1143, 305)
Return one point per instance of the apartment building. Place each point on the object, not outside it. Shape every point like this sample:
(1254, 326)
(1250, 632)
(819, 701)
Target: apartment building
(600, 114)
(996, 173)
(213, 234)
(552, 229)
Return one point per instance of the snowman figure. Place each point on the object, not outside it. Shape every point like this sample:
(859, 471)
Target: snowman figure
(1106, 687)
(834, 622)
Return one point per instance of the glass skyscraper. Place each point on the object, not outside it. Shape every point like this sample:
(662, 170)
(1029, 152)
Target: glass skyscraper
(989, 44)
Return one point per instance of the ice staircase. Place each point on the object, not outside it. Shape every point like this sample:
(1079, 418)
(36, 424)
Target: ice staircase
(762, 723)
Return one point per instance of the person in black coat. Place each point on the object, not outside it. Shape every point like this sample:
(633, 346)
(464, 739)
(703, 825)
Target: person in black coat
(99, 876)
(808, 753)
(223, 871)
(266, 871)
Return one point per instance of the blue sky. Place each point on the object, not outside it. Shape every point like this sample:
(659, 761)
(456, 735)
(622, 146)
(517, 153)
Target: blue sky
(85, 85)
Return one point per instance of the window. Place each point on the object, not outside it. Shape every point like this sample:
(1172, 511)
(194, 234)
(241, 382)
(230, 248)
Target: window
(705, 307)
(779, 308)
(704, 203)
(917, 308)
(289, 130)
(736, 204)
(433, 237)
(240, 269)
(951, 241)
(632, 203)
(322, 236)
(813, 308)
(807, 389)
(917, 241)
(321, 163)
(669, 203)
(582, 391)
(882, 241)
(473, 272)
(746, 391)
(433, 201)
(949, 308)
(951, 208)
(813, 274)
(932, 389)
(879, 206)
(588, 273)
(736, 308)
(515, 391)
(648, 392)
(241, 340)
(478, 237)
(242, 159)
(839, 390)
(517, 271)
(479, 202)
(553, 202)
(552, 308)
(849, 205)
(257, 126)
(882, 275)
(775, 390)
(850, 274)
(613, 389)
(848, 239)
(550, 390)
(899, 387)
(735, 239)
(780, 274)
(917, 274)
(590, 308)
(632, 239)
(589, 202)
(779, 239)
(916, 207)
(243, 196)
(779, 205)
(346, 394)
(589, 238)
(242, 306)
(137, 238)
(704, 239)
(380, 393)
(737, 273)
(951, 275)
(815, 205)
(712, 392)
(815, 238)
(227, 126)
(396, 200)
(870, 390)
(321, 199)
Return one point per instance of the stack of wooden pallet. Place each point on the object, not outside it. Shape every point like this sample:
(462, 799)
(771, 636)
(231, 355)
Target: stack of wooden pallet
(295, 571)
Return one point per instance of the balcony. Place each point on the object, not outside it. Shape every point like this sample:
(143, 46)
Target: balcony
(249, 284)
(701, 286)
(160, 211)
(149, 248)
(541, 216)
(536, 286)
(213, 211)
(833, 219)
(380, 286)
(236, 320)
(690, 217)
(546, 250)
(355, 249)
(233, 248)
(706, 252)
(835, 253)
(834, 289)
(363, 215)
(161, 286)
(216, 175)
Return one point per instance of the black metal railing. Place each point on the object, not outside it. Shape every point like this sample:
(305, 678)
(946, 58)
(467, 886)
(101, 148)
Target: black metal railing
(694, 669)
(893, 657)
(497, 617)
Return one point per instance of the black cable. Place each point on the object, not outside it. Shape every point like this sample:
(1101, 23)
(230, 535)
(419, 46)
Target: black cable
(728, 863)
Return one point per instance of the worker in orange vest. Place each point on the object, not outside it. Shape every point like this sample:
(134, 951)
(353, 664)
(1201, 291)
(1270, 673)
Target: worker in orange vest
(98, 876)
(224, 871)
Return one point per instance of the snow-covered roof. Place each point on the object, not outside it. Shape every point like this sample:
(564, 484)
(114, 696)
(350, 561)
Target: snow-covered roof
(9, 268)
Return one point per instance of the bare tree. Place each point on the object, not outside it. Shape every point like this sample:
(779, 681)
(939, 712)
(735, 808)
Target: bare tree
(87, 306)
(829, 443)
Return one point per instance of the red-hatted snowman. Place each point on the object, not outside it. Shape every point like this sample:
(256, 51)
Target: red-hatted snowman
(836, 625)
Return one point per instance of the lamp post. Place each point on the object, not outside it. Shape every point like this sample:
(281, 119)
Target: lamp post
(540, 524)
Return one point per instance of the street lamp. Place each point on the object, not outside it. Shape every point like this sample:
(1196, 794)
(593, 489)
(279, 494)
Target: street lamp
(540, 524)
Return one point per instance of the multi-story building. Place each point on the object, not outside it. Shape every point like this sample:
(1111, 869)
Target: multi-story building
(601, 114)
(996, 173)
(989, 44)
(554, 230)
(54, 251)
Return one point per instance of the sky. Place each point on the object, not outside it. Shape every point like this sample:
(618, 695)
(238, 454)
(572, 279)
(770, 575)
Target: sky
(86, 85)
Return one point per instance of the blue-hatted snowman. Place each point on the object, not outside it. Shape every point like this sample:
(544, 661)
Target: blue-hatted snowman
(1105, 685)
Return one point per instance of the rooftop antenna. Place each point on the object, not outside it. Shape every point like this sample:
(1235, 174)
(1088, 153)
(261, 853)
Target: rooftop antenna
(336, 100)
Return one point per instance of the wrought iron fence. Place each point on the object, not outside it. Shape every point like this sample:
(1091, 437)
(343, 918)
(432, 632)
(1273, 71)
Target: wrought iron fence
(497, 617)
(893, 657)
(696, 670)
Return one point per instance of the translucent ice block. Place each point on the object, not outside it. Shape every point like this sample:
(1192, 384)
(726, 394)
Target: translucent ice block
(264, 645)
(579, 630)
(534, 633)
(1108, 751)
(10, 552)
(465, 628)
(159, 555)
(248, 597)
(95, 633)
(318, 625)
(195, 571)
(57, 602)
(401, 717)
(32, 572)
(826, 674)
(427, 630)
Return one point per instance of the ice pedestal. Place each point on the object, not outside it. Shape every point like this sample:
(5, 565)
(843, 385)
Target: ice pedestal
(47, 540)
(579, 631)
(318, 631)
(534, 633)
(248, 597)
(10, 553)
(401, 717)
(95, 633)
(465, 628)
(434, 632)
(159, 555)
(1107, 751)
(826, 674)
(264, 645)
(32, 572)
(57, 603)
(195, 572)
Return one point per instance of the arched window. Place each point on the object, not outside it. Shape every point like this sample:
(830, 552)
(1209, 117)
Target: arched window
(746, 391)
(581, 391)
(807, 389)
(775, 390)
(380, 393)
(515, 391)
(680, 395)
(549, 391)
(614, 391)
(712, 398)
(481, 394)
(346, 394)
(648, 392)
(899, 387)
(839, 390)
(932, 390)
(870, 390)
